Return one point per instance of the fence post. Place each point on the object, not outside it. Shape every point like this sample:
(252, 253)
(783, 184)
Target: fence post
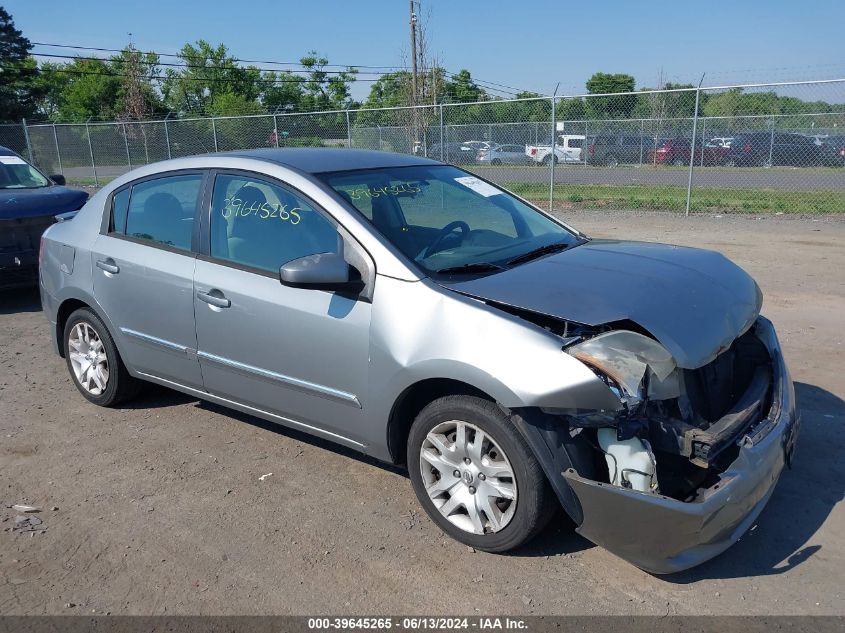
(552, 160)
(771, 140)
(442, 139)
(91, 153)
(126, 142)
(167, 137)
(214, 132)
(642, 137)
(692, 146)
(58, 151)
(348, 131)
(26, 138)
(703, 131)
(276, 129)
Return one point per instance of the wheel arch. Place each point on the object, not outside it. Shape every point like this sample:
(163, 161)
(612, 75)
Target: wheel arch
(412, 400)
(67, 306)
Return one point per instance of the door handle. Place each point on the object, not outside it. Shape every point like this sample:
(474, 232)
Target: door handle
(108, 265)
(214, 300)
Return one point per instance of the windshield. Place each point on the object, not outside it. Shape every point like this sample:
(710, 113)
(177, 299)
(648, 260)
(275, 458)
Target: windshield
(444, 219)
(16, 173)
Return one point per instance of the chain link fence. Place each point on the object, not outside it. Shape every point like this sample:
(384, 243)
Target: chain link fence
(751, 148)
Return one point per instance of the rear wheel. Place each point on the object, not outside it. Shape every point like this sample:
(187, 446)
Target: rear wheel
(475, 476)
(678, 162)
(550, 158)
(93, 361)
(496, 161)
(611, 161)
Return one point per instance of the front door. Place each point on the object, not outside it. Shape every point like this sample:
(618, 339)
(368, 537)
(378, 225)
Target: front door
(143, 276)
(300, 354)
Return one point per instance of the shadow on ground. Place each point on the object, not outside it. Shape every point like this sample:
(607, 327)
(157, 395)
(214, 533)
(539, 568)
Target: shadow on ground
(777, 542)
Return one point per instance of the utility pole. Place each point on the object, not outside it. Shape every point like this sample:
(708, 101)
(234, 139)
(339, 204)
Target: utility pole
(413, 54)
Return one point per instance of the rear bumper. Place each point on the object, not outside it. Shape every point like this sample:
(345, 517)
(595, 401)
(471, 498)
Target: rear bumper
(664, 535)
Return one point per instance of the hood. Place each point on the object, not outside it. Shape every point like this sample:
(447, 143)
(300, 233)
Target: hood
(694, 302)
(29, 203)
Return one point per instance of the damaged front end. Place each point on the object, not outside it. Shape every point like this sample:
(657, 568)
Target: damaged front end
(687, 461)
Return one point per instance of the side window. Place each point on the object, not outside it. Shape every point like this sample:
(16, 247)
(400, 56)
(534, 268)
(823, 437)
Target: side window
(262, 225)
(162, 210)
(576, 143)
(119, 206)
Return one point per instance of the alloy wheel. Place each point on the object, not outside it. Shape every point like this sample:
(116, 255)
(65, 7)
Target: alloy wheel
(88, 358)
(468, 477)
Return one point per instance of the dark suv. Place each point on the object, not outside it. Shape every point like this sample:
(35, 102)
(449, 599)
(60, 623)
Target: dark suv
(763, 149)
(613, 149)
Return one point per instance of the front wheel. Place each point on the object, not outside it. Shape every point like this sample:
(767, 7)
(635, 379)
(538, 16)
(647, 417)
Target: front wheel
(93, 361)
(475, 476)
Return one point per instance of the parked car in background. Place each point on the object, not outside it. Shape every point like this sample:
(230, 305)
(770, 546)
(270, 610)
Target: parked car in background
(611, 150)
(502, 155)
(424, 316)
(833, 151)
(29, 203)
(764, 149)
(567, 150)
(455, 153)
(721, 141)
(677, 151)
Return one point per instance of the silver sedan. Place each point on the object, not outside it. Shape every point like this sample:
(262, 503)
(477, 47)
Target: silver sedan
(422, 315)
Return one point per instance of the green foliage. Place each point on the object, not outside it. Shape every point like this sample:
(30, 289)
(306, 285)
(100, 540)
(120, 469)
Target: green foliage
(462, 89)
(18, 91)
(208, 73)
(231, 104)
(91, 91)
(617, 107)
(322, 91)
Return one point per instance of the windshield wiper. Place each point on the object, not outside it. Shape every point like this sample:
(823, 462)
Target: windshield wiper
(477, 267)
(537, 252)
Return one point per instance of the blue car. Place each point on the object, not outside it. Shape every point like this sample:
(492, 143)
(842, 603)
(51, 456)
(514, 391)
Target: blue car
(29, 203)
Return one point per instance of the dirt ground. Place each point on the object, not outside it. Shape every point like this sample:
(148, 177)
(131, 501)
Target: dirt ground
(158, 508)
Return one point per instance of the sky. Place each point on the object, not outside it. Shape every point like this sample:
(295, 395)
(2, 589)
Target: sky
(522, 45)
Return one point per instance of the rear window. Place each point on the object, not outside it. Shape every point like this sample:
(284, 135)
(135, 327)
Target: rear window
(162, 210)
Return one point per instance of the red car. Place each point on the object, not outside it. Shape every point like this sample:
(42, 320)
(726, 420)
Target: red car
(676, 151)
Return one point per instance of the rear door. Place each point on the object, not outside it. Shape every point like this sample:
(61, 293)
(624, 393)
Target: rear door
(143, 263)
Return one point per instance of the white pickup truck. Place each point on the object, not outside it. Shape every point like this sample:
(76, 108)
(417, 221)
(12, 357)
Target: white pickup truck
(567, 150)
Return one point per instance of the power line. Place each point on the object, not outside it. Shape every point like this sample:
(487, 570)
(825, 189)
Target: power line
(188, 65)
(487, 85)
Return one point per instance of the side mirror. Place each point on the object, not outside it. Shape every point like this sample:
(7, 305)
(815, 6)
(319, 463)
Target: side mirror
(58, 179)
(323, 271)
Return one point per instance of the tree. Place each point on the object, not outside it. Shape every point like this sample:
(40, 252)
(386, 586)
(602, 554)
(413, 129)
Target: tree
(231, 104)
(18, 72)
(322, 90)
(281, 91)
(461, 88)
(91, 91)
(616, 107)
(137, 97)
(208, 72)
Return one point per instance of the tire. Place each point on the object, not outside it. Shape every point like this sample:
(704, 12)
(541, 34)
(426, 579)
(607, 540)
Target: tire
(611, 161)
(495, 161)
(548, 159)
(112, 384)
(678, 162)
(508, 521)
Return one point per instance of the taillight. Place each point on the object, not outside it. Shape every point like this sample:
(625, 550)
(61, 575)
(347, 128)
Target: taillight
(481, 154)
(533, 151)
(747, 148)
(592, 149)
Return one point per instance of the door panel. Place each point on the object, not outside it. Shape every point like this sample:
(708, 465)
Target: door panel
(143, 275)
(150, 301)
(299, 353)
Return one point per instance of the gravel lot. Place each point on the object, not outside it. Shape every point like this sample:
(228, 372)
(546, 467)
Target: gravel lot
(158, 508)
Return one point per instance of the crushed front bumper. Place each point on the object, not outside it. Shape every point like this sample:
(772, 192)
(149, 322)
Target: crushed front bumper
(663, 535)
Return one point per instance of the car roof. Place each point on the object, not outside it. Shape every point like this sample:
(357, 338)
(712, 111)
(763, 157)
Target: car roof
(318, 160)
(5, 151)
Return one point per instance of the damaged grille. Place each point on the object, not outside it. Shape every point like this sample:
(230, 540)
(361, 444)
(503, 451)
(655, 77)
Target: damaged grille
(720, 401)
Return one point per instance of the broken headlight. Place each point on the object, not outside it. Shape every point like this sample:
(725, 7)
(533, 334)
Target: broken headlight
(633, 366)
